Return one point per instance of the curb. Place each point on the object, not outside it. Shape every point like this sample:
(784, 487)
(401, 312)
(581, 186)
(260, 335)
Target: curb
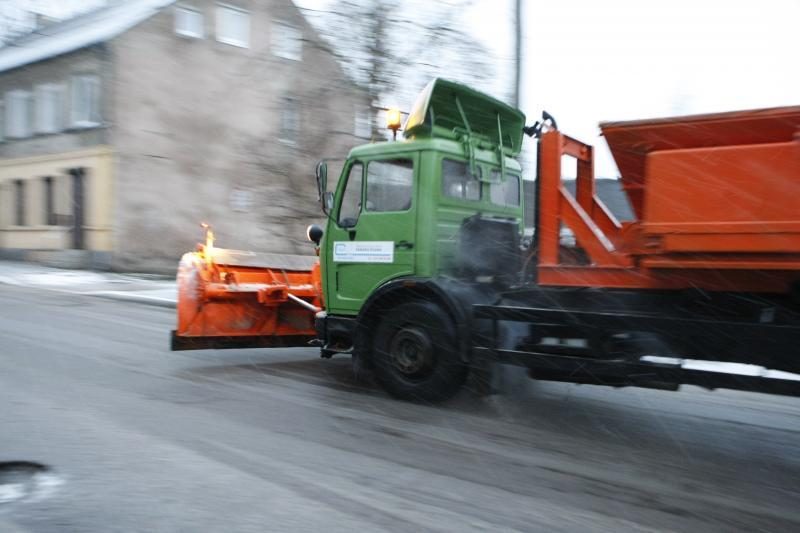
(135, 298)
(109, 295)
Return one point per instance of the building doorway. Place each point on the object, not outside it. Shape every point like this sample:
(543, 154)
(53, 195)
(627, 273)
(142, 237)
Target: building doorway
(78, 207)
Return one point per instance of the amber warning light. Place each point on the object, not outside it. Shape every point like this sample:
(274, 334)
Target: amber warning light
(393, 121)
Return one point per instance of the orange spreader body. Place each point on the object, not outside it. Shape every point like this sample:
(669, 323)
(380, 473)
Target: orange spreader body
(229, 298)
(716, 199)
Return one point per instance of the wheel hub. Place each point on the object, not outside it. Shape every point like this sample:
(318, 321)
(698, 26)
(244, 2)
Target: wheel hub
(411, 351)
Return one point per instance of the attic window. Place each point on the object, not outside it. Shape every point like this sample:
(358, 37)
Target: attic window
(287, 41)
(189, 22)
(233, 26)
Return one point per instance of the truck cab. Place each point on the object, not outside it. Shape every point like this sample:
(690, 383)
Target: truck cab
(400, 208)
(417, 230)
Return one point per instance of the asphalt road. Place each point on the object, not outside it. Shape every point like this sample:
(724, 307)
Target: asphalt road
(142, 439)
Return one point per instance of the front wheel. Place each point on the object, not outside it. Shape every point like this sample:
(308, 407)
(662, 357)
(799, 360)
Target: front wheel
(415, 353)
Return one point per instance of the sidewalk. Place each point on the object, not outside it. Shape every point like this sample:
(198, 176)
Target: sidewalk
(139, 288)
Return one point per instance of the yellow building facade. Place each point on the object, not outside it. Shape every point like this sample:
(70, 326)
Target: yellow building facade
(58, 201)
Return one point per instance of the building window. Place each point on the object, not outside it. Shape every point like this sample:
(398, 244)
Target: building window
(290, 121)
(189, 22)
(287, 41)
(19, 203)
(233, 26)
(49, 108)
(363, 124)
(18, 114)
(85, 101)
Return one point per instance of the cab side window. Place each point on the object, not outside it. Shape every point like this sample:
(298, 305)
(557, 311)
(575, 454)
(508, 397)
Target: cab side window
(458, 182)
(390, 184)
(351, 199)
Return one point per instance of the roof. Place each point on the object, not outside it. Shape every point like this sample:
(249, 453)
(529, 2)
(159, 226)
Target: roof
(79, 32)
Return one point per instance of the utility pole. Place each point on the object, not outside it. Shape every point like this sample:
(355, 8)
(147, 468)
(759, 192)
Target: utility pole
(517, 51)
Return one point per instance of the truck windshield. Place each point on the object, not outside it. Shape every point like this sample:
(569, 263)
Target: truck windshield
(504, 192)
(458, 182)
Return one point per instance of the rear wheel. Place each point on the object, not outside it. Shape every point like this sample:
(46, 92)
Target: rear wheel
(415, 353)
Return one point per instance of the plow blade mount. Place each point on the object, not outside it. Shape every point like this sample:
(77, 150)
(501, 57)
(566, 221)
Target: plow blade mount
(236, 299)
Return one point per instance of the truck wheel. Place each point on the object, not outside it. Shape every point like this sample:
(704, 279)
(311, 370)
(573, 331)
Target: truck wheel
(415, 355)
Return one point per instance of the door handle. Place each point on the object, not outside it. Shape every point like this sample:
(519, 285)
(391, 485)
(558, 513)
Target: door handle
(404, 244)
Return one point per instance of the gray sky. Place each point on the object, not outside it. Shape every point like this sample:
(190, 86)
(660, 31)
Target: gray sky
(589, 61)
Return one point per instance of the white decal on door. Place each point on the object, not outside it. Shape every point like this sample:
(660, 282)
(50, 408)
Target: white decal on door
(363, 251)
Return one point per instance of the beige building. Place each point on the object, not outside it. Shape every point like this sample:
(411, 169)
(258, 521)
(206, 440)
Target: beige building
(125, 128)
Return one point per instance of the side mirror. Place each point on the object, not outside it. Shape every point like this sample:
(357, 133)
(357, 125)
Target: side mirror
(314, 234)
(327, 202)
(322, 179)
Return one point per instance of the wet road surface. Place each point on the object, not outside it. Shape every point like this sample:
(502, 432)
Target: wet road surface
(143, 439)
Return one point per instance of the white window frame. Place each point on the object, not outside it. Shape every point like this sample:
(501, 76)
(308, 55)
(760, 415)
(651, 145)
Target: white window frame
(241, 42)
(183, 21)
(92, 116)
(289, 112)
(48, 108)
(287, 41)
(18, 121)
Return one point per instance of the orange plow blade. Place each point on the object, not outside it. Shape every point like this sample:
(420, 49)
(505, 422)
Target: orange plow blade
(236, 299)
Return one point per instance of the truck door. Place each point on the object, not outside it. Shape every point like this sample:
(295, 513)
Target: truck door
(372, 237)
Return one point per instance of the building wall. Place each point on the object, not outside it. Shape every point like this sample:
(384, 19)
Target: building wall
(51, 155)
(197, 133)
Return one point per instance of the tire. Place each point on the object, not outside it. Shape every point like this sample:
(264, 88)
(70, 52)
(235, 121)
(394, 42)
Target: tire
(415, 355)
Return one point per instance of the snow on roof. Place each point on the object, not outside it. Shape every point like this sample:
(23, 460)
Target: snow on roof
(73, 34)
